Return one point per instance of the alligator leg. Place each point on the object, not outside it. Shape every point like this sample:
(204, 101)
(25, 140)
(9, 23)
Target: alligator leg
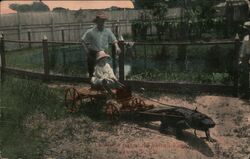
(180, 125)
(208, 136)
(195, 132)
(163, 125)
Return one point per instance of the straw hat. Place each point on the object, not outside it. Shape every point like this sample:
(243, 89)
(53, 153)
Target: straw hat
(100, 16)
(101, 55)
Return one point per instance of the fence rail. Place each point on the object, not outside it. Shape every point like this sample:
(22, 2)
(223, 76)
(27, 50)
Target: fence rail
(87, 24)
(151, 85)
(56, 32)
(184, 43)
(71, 31)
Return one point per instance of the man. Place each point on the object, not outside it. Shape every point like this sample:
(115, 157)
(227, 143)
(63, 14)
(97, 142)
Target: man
(245, 48)
(244, 61)
(99, 38)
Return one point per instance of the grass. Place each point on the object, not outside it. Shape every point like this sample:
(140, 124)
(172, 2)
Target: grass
(185, 77)
(193, 51)
(25, 59)
(21, 99)
(208, 63)
(68, 60)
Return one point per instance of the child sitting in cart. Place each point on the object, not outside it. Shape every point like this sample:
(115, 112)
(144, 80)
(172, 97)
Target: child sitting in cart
(104, 77)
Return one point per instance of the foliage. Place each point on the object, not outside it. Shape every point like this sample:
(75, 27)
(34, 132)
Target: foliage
(139, 29)
(80, 15)
(140, 4)
(197, 64)
(34, 7)
(159, 13)
(237, 13)
(185, 77)
(60, 9)
(198, 18)
(204, 9)
(146, 4)
(159, 10)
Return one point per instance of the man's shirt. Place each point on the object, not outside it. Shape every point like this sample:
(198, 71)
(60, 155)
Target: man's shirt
(99, 40)
(245, 47)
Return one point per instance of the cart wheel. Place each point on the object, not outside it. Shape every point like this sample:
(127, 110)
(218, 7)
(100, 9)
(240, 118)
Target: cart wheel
(138, 104)
(112, 111)
(72, 100)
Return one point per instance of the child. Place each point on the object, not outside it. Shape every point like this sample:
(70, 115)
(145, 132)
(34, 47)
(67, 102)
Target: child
(103, 74)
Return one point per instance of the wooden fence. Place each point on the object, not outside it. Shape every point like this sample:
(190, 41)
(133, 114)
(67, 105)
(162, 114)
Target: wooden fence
(58, 32)
(44, 18)
(33, 26)
(150, 85)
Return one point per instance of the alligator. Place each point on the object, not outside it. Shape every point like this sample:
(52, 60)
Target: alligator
(180, 118)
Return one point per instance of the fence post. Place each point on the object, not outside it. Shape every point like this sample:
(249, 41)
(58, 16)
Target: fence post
(62, 32)
(63, 40)
(114, 59)
(52, 26)
(69, 32)
(19, 28)
(145, 56)
(2, 53)
(46, 58)
(121, 59)
(245, 84)
(117, 29)
(127, 27)
(182, 56)
(29, 37)
(236, 65)
(80, 30)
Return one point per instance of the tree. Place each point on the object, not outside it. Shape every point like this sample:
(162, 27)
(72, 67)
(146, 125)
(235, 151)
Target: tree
(146, 4)
(20, 8)
(204, 8)
(39, 7)
(60, 9)
(159, 13)
(159, 10)
(34, 7)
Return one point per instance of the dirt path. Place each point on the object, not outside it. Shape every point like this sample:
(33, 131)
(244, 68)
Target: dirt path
(83, 137)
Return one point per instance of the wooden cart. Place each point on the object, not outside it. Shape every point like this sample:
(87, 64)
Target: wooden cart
(120, 101)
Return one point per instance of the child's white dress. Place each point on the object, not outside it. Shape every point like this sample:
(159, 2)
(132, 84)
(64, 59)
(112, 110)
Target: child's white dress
(105, 72)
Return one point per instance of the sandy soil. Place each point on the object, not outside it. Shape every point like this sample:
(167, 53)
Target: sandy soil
(83, 137)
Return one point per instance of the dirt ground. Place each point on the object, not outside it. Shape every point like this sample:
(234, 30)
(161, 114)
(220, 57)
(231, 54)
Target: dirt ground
(83, 137)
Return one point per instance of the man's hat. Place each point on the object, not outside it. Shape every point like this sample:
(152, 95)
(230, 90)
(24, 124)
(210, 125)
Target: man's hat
(101, 16)
(101, 55)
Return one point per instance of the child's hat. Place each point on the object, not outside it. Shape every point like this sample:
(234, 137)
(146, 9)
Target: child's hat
(101, 55)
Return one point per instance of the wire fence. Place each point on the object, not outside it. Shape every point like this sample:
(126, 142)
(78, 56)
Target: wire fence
(210, 66)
